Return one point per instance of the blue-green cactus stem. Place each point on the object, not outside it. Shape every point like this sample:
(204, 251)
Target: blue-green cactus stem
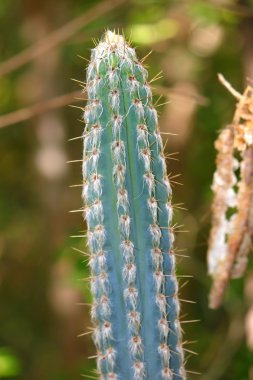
(127, 198)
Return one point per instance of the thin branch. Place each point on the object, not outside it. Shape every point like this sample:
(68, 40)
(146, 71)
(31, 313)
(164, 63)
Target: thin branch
(58, 36)
(37, 109)
(237, 9)
(171, 92)
(229, 87)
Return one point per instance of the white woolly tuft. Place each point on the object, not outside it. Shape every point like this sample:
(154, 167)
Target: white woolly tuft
(139, 370)
(135, 345)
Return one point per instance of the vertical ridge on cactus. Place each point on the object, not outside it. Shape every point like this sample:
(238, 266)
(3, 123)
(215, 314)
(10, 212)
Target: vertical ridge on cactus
(127, 207)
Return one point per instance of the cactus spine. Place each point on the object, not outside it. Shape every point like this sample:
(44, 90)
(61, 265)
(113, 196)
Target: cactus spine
(127, 207)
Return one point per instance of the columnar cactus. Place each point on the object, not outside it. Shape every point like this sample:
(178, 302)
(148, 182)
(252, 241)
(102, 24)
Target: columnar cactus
(127, 206)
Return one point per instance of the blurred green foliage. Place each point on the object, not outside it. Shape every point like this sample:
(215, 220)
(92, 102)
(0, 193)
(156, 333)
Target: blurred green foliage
(9, 364)
(40, 276)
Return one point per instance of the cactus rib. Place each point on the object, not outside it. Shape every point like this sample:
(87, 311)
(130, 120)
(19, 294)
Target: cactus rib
(127, 207)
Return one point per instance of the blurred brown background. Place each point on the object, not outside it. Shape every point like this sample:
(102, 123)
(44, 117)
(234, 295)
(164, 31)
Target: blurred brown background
(40, 275)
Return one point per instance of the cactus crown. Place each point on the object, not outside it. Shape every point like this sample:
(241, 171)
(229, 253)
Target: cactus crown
(127, 207)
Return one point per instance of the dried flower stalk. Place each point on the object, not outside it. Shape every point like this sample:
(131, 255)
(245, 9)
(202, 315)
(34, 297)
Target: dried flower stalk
(232, 214)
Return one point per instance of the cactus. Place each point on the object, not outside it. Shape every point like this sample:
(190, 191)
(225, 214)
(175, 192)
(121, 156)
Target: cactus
(127, 207)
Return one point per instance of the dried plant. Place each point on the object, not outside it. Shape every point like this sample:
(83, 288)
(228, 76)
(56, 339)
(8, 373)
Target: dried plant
(232, 214)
